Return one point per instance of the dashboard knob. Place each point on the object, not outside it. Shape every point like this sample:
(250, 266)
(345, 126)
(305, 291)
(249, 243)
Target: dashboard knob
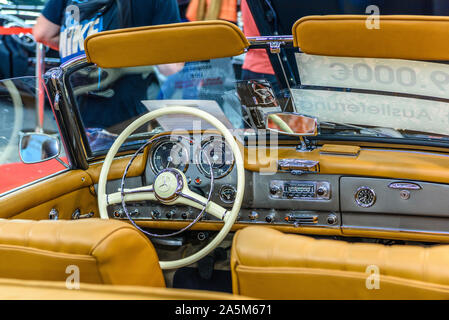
(332, 219)
(275, 189)
(321, 191)
(134, 213)
(119, 213)
(254, 216)
(270, 218)
(171, 214)
(184, 216)
(155, 214)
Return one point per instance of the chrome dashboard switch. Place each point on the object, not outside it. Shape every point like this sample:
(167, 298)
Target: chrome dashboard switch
(332, 219)
(254, 216)
(270, 218)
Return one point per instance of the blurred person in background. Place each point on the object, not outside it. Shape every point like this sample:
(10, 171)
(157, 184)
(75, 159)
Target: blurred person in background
(57, 26)
(183, 5)
(257, 65)
(65, 24)
(200, 10)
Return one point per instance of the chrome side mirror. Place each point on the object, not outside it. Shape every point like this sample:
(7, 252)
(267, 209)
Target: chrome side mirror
(38, 147)
(292, 124)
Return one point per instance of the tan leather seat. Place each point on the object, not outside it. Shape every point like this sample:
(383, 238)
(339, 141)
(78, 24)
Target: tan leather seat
(104, 251)
(25, 290)
(268, 264)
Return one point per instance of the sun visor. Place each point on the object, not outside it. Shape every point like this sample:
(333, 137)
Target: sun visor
(396, 37)
(163, 44)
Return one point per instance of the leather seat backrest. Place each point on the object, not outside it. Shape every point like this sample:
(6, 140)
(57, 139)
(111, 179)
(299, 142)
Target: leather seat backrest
(99, 251)
(268, 264)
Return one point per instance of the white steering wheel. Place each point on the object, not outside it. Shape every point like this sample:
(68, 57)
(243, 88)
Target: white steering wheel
(170, 186)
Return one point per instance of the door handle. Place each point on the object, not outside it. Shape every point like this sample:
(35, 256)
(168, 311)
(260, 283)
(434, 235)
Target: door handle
(77, 215)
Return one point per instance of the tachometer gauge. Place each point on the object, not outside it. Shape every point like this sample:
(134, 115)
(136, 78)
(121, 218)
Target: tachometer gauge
(220, 156)
(169, 154)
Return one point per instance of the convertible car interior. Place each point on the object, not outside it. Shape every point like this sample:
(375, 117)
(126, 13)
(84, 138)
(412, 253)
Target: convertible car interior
(166, 175)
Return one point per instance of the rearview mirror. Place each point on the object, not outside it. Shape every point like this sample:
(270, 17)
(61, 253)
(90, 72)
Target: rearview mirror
(37, 148)
(292, 124)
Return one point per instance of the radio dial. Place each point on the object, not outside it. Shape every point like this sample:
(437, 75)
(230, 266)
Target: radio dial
(321, 191)
(275, 189)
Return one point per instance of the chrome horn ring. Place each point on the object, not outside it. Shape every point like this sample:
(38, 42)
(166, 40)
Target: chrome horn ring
(164, 200)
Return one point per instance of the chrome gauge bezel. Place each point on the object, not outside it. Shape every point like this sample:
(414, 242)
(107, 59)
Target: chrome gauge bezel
(365, 205)
(222, 198)
(204, 144)
(160, 143)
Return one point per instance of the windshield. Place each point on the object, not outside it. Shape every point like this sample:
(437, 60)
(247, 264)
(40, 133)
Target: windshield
(110, 99)
(374, 97)
(382, 99)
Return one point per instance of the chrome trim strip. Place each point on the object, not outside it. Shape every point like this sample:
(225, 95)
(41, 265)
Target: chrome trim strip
(404, 186)
(75, 61)
(33, 183)
(358, 228)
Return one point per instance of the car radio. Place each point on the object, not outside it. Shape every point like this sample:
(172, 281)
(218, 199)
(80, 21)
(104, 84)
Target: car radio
(303, 190)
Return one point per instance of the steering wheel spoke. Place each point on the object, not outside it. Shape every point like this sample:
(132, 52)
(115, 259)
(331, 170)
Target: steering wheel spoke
(189, 198)
(138, 194)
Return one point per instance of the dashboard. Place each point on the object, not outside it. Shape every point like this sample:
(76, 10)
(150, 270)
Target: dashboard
(292, 200)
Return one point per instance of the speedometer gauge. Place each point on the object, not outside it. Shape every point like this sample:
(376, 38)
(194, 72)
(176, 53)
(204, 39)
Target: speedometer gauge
(169, 154)
(219, 155)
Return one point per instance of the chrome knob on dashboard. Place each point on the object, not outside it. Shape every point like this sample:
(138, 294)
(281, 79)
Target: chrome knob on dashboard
(254, 215)
(119, 214)
(171, 214)
(321, 191)
(134, 213)
(275, 189)
(270, 218)
(332, 219)
(155, 214)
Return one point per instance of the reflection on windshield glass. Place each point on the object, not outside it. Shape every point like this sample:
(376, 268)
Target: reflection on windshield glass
(400, 98)
(349, 97)
(110, 99)
(18, 114)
